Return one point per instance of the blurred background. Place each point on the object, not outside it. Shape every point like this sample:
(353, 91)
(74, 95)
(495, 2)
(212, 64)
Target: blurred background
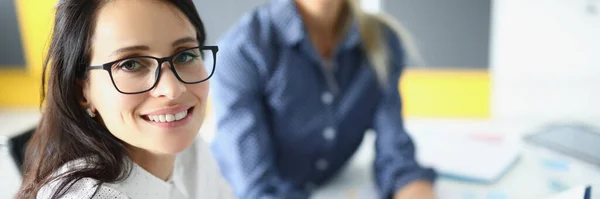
(511, 83)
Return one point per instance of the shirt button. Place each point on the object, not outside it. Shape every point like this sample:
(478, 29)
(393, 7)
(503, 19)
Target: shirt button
(327, 98)
(329, 133)
(322, 164)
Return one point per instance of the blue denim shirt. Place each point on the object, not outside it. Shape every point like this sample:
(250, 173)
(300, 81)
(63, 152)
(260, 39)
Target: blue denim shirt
(288, 121)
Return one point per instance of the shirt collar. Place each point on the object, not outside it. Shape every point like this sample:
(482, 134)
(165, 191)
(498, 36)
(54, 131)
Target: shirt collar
(287, 21)
(352, 37)
(142, 184)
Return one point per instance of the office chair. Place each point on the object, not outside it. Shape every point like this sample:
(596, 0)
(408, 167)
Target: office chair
(17, 146)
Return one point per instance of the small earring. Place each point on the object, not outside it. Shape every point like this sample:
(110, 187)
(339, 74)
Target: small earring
(90, 112)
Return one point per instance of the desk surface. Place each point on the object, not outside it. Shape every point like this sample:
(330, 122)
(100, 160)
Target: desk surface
(527, 179)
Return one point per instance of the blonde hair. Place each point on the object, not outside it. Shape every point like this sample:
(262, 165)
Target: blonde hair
(374, 42)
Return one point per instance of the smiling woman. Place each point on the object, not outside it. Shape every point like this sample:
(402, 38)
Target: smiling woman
(126, 97)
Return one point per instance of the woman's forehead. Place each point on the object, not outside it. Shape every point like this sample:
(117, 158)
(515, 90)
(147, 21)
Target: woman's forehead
(140, 22)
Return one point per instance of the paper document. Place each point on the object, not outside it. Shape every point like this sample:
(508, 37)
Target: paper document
(464, 157)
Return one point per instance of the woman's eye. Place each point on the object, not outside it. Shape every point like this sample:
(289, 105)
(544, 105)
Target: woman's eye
(185, 57)
(130, 65)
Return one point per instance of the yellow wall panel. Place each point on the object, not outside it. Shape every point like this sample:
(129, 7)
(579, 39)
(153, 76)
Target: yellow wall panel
(446, 93)
(35, 19)
(19, 91)
(21, 87)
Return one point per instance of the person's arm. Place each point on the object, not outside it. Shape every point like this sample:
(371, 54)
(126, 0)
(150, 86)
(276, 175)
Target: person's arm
(417, 189)
(396, 170)
(243, 145)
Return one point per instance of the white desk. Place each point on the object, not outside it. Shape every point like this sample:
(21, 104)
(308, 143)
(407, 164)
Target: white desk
(528, 179)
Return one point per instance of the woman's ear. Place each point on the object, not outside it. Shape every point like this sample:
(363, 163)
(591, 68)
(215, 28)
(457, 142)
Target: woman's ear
(84, 100)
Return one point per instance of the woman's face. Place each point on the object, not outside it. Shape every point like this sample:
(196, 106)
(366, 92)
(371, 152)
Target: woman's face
(145, 28)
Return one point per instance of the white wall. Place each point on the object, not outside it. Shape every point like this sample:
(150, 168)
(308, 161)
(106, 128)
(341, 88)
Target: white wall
(372, 6)
(545, 59)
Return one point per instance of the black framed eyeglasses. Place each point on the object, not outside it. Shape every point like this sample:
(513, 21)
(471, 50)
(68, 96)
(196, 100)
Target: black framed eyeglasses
(139, 74)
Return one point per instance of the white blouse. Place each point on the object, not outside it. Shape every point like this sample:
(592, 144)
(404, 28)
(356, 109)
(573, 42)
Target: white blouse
(195, 176)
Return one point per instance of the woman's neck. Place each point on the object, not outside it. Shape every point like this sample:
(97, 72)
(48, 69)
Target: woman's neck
(323, 21)
(159, 165)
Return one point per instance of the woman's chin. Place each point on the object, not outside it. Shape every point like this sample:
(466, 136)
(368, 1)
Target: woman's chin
(173, 144)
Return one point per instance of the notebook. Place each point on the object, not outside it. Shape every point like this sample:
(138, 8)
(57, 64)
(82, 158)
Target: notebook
(478, 159)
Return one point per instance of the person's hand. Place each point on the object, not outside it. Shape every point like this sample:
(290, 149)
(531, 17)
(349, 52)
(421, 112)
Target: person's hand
(416, 190)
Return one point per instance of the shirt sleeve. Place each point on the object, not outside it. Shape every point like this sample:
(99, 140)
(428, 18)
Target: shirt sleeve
(242, 145)
(395, 164)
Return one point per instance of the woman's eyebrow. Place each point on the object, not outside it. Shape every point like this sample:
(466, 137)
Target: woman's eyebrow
(146, 48)
(129, 48)
(184, 40)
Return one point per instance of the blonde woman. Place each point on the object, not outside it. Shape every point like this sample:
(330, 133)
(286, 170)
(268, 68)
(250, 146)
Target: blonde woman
(300, 82)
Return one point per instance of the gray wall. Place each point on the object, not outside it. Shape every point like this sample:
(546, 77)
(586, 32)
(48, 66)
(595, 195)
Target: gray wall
(448, 33)
(11, 50)
(219, 16)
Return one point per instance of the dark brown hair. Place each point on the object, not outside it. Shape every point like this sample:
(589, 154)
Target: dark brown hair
(65, 132)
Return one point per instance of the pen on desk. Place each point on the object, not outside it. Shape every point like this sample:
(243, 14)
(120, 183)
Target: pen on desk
(588, 193)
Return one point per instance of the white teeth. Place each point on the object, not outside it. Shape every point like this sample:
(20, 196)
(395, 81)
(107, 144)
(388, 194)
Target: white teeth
(180, 115)
(168, 117)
